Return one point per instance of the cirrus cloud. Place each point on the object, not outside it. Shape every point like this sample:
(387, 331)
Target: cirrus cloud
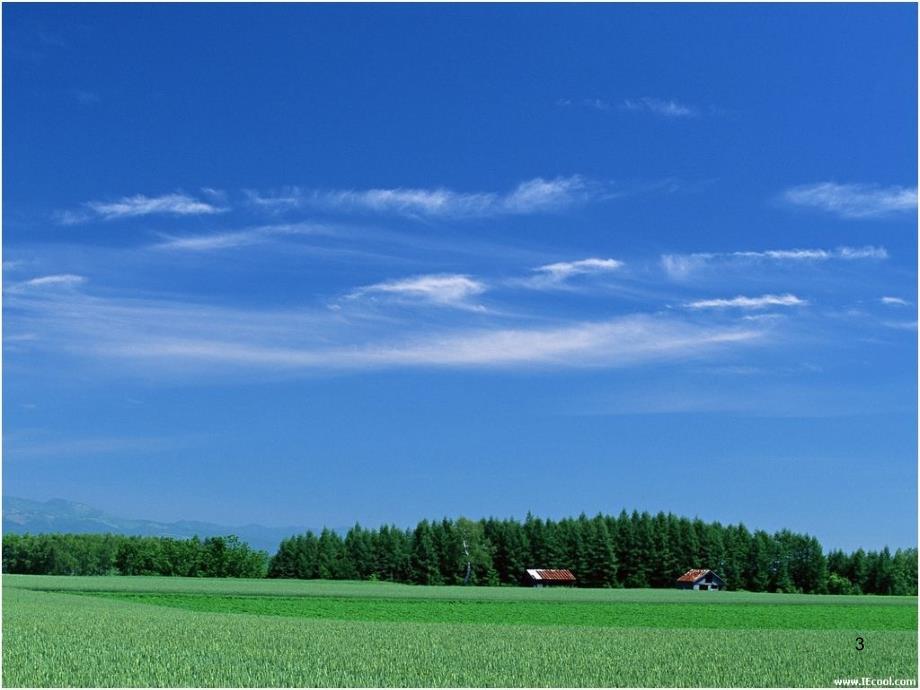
(742, 302)
(895, 302)
(660, 106)
(531, 196)
(854, 200)
(557, 275)
(683, 266)
(185, 337)
(453, 290)
(55, 281)
(176, 204)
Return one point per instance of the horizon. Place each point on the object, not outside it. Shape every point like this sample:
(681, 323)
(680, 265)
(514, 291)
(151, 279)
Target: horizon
(342, 529)
(336, 264)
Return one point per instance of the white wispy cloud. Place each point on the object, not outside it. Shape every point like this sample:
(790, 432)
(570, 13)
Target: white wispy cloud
(532, 196)
(186, 337)
(73, 217)
(854, 200)
(55, 284)
(742, 302)
(843, 253)
(861, 253)
(139, 205)
(619, 342)
(557, 274)
(218, 195)
(664, 107)
(538, 195)
(660, 106)
(209, 242)
(57, 280)
(428, 202)
(895, 301)
(564, 269)
(240, 238)
(682, 266)
(453, 290)
(279, 200)
(764, 318)
(595, 103)
(901, 325)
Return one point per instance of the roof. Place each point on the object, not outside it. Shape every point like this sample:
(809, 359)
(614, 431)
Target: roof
(694, 575)
(551, 575)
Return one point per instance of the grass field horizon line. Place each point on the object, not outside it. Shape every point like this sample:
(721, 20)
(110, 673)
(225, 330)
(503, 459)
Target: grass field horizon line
(70, 631)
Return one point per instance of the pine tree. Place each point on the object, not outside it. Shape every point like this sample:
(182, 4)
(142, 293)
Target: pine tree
(601, 558)
(425, 570)
(883, 573)
(780, 575)
(732, 567)
(757, 570)
(689, 545)
(625, 549)
(664, 570)
(904, 572)
(641, 550)
(859, 571)
(359, 552)
(536, 539)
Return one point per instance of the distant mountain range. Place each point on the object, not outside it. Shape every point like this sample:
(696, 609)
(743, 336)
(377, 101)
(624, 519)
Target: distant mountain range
(22, 515)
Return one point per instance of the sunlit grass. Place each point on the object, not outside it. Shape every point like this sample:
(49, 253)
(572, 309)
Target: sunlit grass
(59, 639)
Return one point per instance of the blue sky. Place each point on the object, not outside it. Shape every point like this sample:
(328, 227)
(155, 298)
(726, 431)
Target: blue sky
(308, 265)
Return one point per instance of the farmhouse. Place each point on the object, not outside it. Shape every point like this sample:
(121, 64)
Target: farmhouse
(700, 579)
(540, 578)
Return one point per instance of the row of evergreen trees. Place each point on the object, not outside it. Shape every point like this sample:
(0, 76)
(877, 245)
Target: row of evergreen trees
(637, 550)
(113, 554)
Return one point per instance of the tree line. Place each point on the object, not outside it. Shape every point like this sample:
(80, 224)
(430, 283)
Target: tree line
(115, 554)
(628, 550)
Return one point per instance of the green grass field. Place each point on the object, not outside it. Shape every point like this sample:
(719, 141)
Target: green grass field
(121, 631)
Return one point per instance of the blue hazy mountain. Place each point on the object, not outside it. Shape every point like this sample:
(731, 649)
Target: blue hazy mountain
(22, 515)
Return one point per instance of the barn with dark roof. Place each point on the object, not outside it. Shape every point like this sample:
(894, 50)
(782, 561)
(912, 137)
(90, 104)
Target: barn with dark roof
(537, 577)
(700, 579)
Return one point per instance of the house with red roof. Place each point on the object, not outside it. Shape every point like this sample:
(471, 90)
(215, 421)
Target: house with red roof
(538, 577)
